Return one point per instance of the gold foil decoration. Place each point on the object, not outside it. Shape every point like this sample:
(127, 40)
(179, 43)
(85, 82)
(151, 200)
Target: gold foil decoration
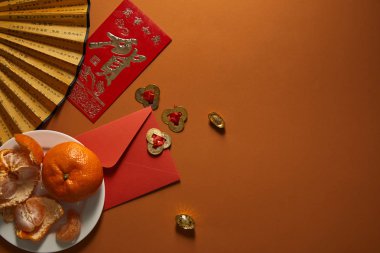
(185, 221)
(121, 58)
(41, 47)
(148, 96)
(216, 120)
(175, 118)
(157, 141)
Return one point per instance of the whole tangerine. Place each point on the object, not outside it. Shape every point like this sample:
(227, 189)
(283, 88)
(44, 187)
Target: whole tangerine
(71, 172)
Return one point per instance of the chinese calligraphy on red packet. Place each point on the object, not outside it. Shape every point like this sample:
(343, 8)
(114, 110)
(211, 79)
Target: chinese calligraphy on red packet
(119, 50)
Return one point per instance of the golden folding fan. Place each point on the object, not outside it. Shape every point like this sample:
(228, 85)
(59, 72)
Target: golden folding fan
(41, 47)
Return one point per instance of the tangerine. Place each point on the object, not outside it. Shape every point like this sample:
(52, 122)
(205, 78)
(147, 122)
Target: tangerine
(71, 172)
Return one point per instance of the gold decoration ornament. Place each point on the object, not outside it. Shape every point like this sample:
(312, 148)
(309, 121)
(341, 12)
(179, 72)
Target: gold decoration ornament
(148, 96)
(41, 48)
(185, 221)
(216, 120)
(157, 141)
(175, 118)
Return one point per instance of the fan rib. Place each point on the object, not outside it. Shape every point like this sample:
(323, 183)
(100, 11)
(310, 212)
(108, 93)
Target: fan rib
(40, 90)
(34, 110)
(14, 116)
(57, 78)
(61, 58)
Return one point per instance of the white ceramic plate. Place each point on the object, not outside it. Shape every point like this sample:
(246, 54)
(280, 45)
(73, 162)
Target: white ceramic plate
(89, 209)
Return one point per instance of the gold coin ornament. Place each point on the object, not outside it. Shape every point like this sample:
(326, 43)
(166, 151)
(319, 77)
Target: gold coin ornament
(216, 120)
(175, 118)
(185, 221)
(148, 96)
(157, 141)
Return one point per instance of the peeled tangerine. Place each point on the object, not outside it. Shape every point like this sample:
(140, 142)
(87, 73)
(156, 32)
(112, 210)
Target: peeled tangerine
(19, 170)
(34, 217)
(19, 175)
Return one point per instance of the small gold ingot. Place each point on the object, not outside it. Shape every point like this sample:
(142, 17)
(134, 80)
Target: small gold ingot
(216, 120)
(185, 221)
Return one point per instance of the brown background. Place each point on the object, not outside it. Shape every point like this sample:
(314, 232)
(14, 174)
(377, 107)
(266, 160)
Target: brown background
(297, 169)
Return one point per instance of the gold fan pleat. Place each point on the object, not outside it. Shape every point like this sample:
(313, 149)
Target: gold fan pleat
(15, 5)
(38, 89)
(41, 48)
(72, 15)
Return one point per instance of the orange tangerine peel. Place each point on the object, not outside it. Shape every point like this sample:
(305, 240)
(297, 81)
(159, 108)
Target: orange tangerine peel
(3, 162)
(32, 146)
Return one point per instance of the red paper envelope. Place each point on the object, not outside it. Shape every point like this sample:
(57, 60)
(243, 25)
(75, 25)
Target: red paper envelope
(116, 53)
(129, 170)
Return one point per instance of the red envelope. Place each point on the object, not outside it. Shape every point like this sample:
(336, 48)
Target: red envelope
(129, 170)
(116, 54)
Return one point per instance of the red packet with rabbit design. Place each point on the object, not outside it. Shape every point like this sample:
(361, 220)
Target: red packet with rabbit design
(118, 51)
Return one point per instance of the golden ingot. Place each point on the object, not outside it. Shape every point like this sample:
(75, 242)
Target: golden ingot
(185, 221)
(148, 96)
(157, 141)
(175, 118)
(216, 120)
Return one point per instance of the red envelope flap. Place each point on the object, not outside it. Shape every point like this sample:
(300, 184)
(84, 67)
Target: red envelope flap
(110, 141)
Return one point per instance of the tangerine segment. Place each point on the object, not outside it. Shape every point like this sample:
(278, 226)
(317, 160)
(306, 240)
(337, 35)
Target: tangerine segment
(29, 215)
(71, 172)
(53, 211)
(30, 144)
(69, 231)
